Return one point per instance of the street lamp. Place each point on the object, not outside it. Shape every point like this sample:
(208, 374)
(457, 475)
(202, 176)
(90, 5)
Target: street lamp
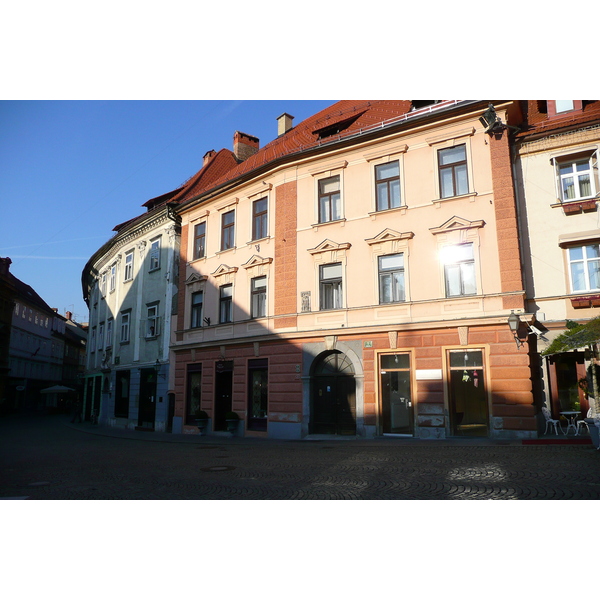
(513, 323)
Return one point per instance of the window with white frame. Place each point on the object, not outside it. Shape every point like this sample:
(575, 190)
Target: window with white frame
(103, 284)
(125, 326)
(577, 177)
(109, 332)
(197, 304)
(391, 278)
(152, 321)
(459, 270)
(387, 185)
(113, 278)
(452, 167)
(259, 297)
(330, 199)
(584, 267)
(128, 266)
(330, 286)
(155, 254)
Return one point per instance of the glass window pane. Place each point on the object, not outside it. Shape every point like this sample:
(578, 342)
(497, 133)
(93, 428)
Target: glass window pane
(336, 211)
(585, 188)
(395, 194)
(453, 280)
(576, 253)
(382, 196)
(391, 261)
(462, 185)
(577, 277)
(388, 170)
(592, 251)
(398, 286)
(568, 188)
(332, 271)
(395, 361)
(594, 274)
(452, 155)
(563, 105)
(327, 186)
(466, 358)
(446, 183)
(566, 169)
(385, 288)
(583, 165)
(468, 278)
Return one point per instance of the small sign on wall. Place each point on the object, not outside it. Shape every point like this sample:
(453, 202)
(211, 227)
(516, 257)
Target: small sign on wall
(368, 344)
(428, 374)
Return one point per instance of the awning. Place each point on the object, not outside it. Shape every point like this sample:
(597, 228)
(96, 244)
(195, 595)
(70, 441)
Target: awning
(582, 336)
(57, 389)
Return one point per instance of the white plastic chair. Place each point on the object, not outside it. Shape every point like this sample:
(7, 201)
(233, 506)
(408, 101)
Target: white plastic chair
(550, 422)
(581, 422)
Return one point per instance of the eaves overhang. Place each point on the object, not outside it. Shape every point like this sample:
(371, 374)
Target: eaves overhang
(372, 131)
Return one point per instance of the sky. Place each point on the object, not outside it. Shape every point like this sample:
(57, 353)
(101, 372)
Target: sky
(72, 170)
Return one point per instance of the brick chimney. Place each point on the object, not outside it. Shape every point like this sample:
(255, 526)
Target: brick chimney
(5, 266)
(284, 123)
(208, 157)
(244, 145)
(69, 315)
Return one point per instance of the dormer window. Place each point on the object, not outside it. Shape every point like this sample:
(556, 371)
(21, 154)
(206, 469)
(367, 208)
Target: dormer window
(557, 108)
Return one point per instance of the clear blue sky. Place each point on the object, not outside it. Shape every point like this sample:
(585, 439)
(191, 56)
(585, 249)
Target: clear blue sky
(72, 170)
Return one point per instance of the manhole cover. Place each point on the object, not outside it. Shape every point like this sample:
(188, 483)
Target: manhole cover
(218, 468)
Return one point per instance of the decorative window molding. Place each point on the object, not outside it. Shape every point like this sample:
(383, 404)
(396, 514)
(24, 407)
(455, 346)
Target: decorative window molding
(385, 155)
(196, 278)
(390, 235)
(328, 167)
(227, 204)
(451, 137)
(456, 224)
(261, 190)
(257, 266)
(329, 246)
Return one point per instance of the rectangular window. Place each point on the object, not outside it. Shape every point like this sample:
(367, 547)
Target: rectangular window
(452, 163)
(576, 181)
(258, 384)
(200, 240)
(330, 208)
(109, 333)
(113, 278)
(330, 284)
(101, 336)
(259, 219)
(387, 185)
(228, 230)
(564, 105)
(128, 266)
(122, 394)
(584, 267)
(125, 318)
(93, 340)
(259, 297)
(155, 254)
(459, 270)
(103, 285)
(226, 303)
(152, 321)
(197, 302)
(391, 278)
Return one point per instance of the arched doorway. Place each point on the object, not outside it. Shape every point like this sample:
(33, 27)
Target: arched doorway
(333, 395)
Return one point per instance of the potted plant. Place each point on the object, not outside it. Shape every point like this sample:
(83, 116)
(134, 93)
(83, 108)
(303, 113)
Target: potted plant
(201, 419)
(232, 419)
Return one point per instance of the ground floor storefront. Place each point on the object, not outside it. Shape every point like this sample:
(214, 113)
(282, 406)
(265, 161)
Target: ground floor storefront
(423, 383)
(131, 398)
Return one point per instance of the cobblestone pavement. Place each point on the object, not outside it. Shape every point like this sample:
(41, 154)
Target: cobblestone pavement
(44, 458)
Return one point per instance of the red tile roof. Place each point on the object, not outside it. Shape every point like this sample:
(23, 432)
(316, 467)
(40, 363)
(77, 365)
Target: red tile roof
(537, 121)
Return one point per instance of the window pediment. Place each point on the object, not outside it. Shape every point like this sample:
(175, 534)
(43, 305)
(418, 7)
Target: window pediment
(329, 246)
(224, 270)
(195, 278)
(456, 223)
(257, 261)
(390, 235)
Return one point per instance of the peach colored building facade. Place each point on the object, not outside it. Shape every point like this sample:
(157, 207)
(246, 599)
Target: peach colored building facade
(556, 173)
(355, 277)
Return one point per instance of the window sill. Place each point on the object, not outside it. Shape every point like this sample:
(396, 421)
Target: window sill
(586, 301)
(470, 195)
(316, 226)
(401, 209)
(154, 270)
(225, 250)
(152, 337)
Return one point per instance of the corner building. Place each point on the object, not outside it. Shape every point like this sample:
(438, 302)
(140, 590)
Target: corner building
(355, 277)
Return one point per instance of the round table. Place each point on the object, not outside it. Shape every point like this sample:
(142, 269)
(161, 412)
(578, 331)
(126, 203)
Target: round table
(570, 415)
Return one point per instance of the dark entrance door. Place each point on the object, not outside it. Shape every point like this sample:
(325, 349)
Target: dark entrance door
(333, 408)
(223, 392)
(147, 407)
(396, 402)
(468, 398)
